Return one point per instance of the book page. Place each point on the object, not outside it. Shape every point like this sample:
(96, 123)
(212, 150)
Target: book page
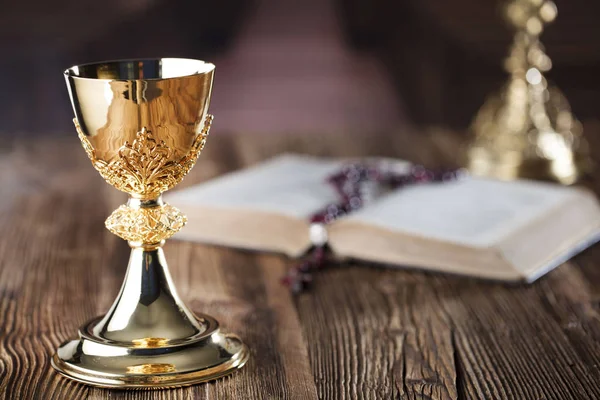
(290, 185)
(473, 212)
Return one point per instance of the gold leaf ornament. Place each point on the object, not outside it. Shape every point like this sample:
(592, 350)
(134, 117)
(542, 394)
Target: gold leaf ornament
(144, 168)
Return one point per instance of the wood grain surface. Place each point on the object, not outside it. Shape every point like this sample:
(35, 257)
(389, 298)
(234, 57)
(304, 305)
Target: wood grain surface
(361, 332)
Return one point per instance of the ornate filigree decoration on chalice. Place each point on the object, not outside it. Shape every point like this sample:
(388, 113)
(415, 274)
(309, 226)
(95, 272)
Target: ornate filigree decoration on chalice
(528, 129)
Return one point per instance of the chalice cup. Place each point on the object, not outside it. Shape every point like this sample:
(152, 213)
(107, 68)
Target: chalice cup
(143, 124)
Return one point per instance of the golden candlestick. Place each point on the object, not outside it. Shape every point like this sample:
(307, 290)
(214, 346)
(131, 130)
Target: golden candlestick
(528, 130)
(143, 124)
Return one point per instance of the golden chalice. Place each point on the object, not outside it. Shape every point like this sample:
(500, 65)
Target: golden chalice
(143, 124)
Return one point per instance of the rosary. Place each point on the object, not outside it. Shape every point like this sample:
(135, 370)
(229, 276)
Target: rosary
(350, 184)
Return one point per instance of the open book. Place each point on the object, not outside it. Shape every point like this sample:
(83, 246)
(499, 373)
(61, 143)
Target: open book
(491, 229)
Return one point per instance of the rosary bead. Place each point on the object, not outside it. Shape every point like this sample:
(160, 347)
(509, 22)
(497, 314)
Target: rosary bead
(318, 234)
(355, 203)
(319, 254)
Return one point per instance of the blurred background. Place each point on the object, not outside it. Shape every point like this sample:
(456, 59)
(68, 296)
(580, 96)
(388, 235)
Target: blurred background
(294, 66)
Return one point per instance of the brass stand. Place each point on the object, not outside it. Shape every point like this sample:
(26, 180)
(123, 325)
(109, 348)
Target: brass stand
(528, 130)
(143, 124)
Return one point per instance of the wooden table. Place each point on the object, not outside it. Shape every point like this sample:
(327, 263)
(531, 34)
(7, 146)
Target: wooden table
(362, 332)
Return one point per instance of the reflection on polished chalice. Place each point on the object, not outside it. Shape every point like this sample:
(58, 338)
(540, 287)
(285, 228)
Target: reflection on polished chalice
(143, 124)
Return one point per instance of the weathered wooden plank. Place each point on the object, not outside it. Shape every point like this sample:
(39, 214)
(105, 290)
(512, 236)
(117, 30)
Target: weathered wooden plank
(570, 298)
(376, 334)
(48, 276)
(511, 346)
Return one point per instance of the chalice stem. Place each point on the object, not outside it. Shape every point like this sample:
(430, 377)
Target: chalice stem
(147, 310)
(149, 338)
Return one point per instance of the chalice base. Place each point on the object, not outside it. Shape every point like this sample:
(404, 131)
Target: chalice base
(149, 339)
(94, 361)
